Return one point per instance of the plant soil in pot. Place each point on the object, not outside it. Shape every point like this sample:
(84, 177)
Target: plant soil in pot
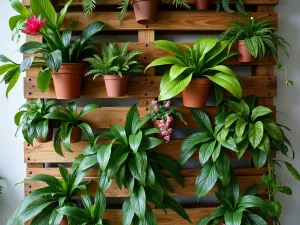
(67, 81)
(161, 136)
(145, 11)
(202, 4)
(195, 95)
(48, 138)
(244, 54)
(116, 86)
(75, 135)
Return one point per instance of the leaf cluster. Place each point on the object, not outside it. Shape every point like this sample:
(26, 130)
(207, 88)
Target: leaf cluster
(226, 5)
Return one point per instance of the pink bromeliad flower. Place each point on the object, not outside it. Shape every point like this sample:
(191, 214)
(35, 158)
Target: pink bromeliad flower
(33, 25)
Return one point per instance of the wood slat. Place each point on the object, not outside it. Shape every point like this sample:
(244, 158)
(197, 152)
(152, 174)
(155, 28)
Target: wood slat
(191, 2)
(166, 21)
(258, 86)
(44, 152)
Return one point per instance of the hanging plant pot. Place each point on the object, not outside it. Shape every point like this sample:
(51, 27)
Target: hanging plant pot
(67, 81)
(145, 11)
(244, 54)
(48, 138)
(195, 95)
(116, 86)
(156, 125)
(75, 135)
(64, 221)
(202, 4)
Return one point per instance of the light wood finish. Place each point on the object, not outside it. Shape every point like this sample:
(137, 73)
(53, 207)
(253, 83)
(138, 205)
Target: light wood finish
(148, 86)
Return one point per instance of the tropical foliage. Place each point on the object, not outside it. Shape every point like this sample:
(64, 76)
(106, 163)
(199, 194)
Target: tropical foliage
(114, 61)
(200, 61)
(42, 204)
(70, 118)
(260, 39)
(31, 119)
(226, 5)
(129, 159)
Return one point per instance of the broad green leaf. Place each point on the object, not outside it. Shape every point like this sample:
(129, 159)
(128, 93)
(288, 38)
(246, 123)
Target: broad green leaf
(135, 141)
(186, 154)
(242, 147)
(57, 146)
(256, 132)
(63, 14)
(259, 158)
(100, 204)
(88, 162)
(26, 63)
(103, 155)
(292, 170)
(202, 119)
(31, 47)
(4, 59)
(250, 201)
(223, 168)
(57, 116)
(132, 120)
(53, 59)
(138, 201)
(50, 180)
(176, 70)
(231, 119)
(150, 175)
(141, 160)
(13, 81)
(104, 181)
(170, 47)
(120, 134)
(265, 144)
(150, 143)
(165, 61)
(217, 152)
(88, 108)
(194, 140)
(44, 79)
(20, 8)
(127, 213)
(272, 129)
(88, 132)
(137, 172)
(233, 218)
(44, 9)
(256, 219)
(217, 213)
(260, 111)
(240, 127)
(206, 151)
(176, 207)
(18, 116)
(76, 213)
(90, 31)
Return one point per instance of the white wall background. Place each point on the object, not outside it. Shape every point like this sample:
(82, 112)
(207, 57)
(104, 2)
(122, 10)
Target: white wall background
(12, 165)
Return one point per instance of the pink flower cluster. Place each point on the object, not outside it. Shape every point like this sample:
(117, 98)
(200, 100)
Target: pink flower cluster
(33, 25)
(165, 128)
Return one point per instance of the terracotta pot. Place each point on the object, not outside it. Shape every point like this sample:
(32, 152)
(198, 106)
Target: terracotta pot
(64, 221)
(48, 138)
(67, 81)
(244, 56)
(145, 11)
(195, 95)
(115, 85)
(202, 4)
(156, 125)
(75, 135)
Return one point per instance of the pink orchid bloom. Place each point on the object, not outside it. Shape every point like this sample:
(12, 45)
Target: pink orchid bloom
(153, 102)
(156, 108)
(33, 25)
(168, 104)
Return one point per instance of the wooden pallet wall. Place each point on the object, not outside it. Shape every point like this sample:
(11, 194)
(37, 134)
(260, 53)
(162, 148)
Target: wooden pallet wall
(262, 82)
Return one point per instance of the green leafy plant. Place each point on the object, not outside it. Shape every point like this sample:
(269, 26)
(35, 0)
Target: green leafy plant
(260, 39)
(70, 118)
(31, 119)
(129, 159)
(114, 60)
(123, 7)
(236, 209)
(226, 5)
(200, 61)
(212, 155)
(42, 204)
(254, 130)
(89, 5)
(57, 49)
(91, 214)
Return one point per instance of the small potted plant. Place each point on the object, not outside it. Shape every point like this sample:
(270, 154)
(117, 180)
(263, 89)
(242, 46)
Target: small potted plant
(202, 4)
(31, 119)
(226, 6)
(255, 39)
(90, 214)
(163, 116)
(116, 65)
(194, 69)
(59, 55)
(42, 205)
(72, 126)
(145, 10)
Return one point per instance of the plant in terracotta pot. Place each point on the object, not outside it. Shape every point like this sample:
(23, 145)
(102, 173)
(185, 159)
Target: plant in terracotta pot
(72, 125)
(31, 119)
(145, 10)
(255, 39)
(41, 206)
(163, 116)
(59, 55)
(115, 64)
(194, 69)
(226, 6)
(236, 209)
(90, 214)
(129, 159)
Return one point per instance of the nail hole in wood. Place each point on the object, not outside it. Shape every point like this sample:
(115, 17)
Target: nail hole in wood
(146, 45)
(29, 79)
(146, 94)
(28, 159)
(145, 57)
(32, 85)
(147, 26)
(269, 93)
(29, 186)
(28, 145)
(270, 77)
(29, 93)
(147, 109)
(152, 82)
(146, 79)
(30, 172)
(29, 192)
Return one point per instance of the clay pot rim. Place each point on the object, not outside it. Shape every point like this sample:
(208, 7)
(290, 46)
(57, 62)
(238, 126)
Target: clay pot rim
(241, 42)
(201, 80)
(114, 77)
(154, 1)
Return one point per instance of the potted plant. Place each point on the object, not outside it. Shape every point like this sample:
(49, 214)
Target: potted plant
(92, 212)
(145, 10)
(163, 116)
(116, 64)
(202, 4)
(72, 126)
(42, 204)
(236, 209)
(129, 159)
(255, 39)
(193, 70)
(31, 119)
(226, 5)
(60, 57)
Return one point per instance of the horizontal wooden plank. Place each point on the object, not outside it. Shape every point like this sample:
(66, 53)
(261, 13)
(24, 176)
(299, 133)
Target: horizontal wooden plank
(189, 186)
(166, 21)
(190, 2)
(253, 85)
(44, 152)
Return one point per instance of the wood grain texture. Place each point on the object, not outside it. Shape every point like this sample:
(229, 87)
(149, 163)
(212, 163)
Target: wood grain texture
(44, 152)
(166, 21)
(253, 85)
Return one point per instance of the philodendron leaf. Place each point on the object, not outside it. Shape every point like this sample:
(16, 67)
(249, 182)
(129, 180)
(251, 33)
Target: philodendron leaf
(103, 155)
(260, 111)
(135, 141)
(292, 170)
(206, 151)
(138, 201)
(202, 119)
(256, 132)
(53, 59)
(44, 79)
(176, 207)
(127, 213)
(259, 158)
(273, 129)
(233, 218)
